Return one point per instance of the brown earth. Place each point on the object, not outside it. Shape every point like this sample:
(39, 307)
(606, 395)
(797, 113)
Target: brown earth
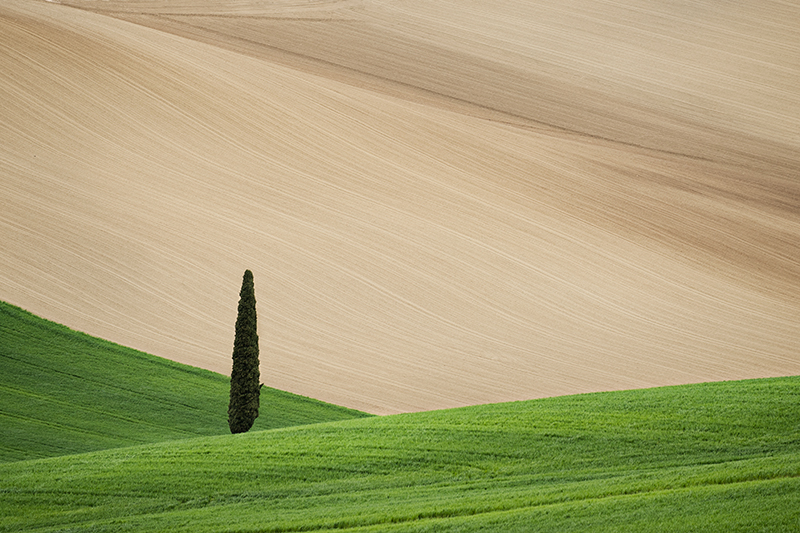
(443, 203)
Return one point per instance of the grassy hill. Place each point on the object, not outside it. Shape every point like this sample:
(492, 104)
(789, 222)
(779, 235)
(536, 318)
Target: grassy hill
(63, 392)
(711, 457)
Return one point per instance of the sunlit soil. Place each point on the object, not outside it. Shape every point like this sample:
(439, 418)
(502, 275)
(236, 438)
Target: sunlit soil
(443, 203)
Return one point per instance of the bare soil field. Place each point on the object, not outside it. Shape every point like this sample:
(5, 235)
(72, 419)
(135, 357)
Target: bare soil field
(443, 203)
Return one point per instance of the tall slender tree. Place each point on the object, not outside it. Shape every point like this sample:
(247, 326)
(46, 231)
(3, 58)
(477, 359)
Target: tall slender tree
(245, 388)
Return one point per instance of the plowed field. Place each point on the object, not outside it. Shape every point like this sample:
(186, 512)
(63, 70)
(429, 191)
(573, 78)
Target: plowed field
(443, 203)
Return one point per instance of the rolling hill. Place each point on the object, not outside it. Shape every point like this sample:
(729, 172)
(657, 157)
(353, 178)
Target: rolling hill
(443, 203)
(63, 392)
(712, 457)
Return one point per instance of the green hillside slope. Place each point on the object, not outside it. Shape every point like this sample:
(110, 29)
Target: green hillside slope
(711, 457)
(64, 392)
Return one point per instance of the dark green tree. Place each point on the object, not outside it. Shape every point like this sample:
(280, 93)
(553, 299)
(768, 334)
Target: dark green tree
(245, 387)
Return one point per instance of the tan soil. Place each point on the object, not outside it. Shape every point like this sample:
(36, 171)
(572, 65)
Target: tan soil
(443, 203)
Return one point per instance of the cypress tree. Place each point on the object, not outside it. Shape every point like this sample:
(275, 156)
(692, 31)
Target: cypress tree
(245, 388)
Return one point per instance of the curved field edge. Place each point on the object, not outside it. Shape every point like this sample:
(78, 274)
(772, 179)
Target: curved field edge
(706, 457)
(64, 392)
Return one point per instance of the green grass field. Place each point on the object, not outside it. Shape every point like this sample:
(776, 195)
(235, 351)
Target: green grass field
(63, 392)
(710, 457)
